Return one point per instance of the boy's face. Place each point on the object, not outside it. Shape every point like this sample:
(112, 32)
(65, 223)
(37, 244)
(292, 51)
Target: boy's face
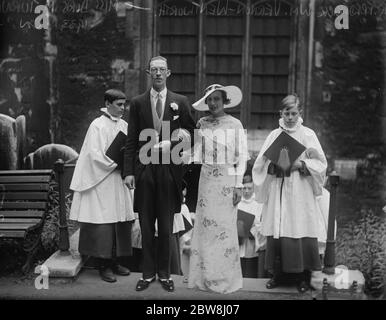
(248, 190)
(116, 108)
(290, 116)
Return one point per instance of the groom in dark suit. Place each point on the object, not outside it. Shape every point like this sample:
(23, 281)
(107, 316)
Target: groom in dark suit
(150, 168)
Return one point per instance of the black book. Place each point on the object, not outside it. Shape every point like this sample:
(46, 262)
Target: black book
(244, 223)
(115, 151)
(284, 142)
(188, 226)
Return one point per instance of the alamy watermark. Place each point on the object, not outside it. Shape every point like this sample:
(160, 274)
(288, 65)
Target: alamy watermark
(217, 147)
(342, 20)
(42, 280)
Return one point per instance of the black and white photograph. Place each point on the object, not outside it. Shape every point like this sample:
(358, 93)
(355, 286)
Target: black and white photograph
(192, 154)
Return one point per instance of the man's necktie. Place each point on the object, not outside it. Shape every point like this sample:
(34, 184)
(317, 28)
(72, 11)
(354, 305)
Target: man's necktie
(158, 106)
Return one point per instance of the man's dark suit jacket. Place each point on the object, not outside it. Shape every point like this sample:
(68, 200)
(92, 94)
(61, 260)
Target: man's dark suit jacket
(140, 118)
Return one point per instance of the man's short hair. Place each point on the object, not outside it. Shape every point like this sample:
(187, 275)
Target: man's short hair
(158, 58)
(113, 94)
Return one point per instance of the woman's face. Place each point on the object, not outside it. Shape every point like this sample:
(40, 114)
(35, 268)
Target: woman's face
(290, 116)
(215, 103)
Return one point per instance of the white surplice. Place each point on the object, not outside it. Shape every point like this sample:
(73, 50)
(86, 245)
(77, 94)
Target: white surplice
(290, 207)
(100, 195)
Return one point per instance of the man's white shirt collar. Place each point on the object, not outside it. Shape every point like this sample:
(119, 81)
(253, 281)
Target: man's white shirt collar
(162, 93)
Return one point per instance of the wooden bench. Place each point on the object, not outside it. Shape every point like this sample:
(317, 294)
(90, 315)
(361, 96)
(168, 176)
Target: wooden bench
(24, 198)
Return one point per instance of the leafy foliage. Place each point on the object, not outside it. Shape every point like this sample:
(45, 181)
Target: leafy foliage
(352, 72)
(361, 245)
(50, 234)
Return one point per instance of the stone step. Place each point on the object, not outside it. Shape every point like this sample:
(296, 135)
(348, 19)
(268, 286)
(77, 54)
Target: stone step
(64, 264)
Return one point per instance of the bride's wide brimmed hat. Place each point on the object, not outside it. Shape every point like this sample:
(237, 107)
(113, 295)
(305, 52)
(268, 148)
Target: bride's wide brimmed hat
(233, 93)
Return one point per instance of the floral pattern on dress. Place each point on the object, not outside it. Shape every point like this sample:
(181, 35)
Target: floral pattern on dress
(216, 173)
(226, 191)
(229, 251)
(209, 283)
(208, 223)
(201, 203)
(222, 236)
(215, 260)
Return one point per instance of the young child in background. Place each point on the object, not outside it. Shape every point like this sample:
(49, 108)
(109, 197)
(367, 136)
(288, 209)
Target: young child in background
(185, 237)
(252, 248)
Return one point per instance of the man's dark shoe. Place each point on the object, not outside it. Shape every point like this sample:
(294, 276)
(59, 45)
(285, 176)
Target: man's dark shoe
(302, 286)
(107, 275)
(120, 270)
(167, 284)
(143, 284)
(272, 283)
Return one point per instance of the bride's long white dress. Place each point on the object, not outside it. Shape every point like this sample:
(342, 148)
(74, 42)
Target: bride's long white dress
(215, 260)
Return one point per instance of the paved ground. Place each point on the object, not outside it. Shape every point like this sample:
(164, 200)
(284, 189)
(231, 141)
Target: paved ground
(89, 286)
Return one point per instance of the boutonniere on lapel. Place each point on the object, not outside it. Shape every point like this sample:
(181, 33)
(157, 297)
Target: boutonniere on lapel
(174, 107)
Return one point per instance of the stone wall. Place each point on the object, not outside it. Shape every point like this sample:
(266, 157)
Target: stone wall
(23, 80)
